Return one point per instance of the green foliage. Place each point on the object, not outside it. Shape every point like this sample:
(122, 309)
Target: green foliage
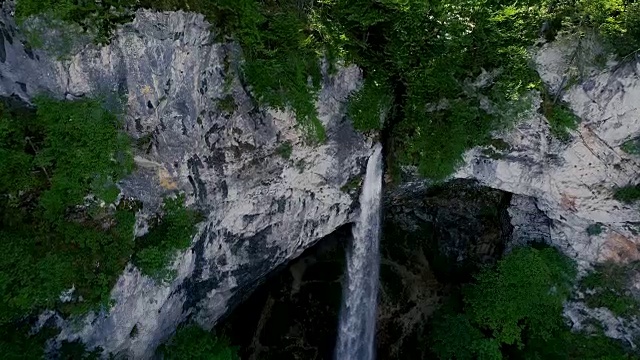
(594, 229)
(173, 232)
(282, 52)
(517, 295)
(285, 149)
(227, 104)
(617, 21)
(98, 18)
(352, 185)
(514, 311)
(369, 106)
(631, 147)
(627, 194)
(281, 59)
(436, 145)
(420, 59)
(607, 286)
(560, 119)
(569, 345)
(454, 337)
(51, 237)
(427, 53)
(192, 342)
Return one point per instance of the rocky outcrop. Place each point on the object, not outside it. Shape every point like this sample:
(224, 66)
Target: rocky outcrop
(198, 131)
(563, 189)
(571, 182)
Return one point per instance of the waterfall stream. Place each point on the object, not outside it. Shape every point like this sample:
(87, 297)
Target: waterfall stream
(358, 314)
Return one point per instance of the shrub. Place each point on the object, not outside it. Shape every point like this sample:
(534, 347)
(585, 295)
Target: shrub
(560, 119)
(51, 236)
(627, 194)
(606, 286)
(192, 342)
(18, 343)
(98, 18)
(594, 229)
(517, 295)
(173, 232)
(514, 311)
(285, 149)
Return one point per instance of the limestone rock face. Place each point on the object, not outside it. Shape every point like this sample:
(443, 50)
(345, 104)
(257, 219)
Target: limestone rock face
(562, 188)
(571, 182)
(199, 132)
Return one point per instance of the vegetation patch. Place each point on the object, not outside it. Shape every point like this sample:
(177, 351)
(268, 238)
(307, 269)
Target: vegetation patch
(414, 55)
(594, 229)
(352, 185)
(627, 194)
(514, 310)
(52, 236)
(192, 342)
(227, 104)
(370, 106)
(561, 119)
(631, 147)
(285, 150)
(607, 286)
(172, 232)
(97, 18)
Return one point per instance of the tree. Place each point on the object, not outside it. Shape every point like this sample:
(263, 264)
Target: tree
(514, 310)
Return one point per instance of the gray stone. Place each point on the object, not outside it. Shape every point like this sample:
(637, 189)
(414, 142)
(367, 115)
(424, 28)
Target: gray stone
(261, 209)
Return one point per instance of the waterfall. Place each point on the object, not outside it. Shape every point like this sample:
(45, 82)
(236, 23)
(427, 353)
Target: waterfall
(358, 314)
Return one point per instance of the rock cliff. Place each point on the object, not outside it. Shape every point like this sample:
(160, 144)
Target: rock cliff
(572, 181)
(563, 187)
(198, 131)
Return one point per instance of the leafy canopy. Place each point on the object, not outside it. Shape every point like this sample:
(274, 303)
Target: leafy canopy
(514, 310)
(52, 237)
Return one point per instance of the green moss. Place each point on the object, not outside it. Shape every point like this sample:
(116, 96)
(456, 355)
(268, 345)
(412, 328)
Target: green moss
(594, 229)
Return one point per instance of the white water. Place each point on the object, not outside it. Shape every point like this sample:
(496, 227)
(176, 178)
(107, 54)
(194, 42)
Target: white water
(358, 314)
